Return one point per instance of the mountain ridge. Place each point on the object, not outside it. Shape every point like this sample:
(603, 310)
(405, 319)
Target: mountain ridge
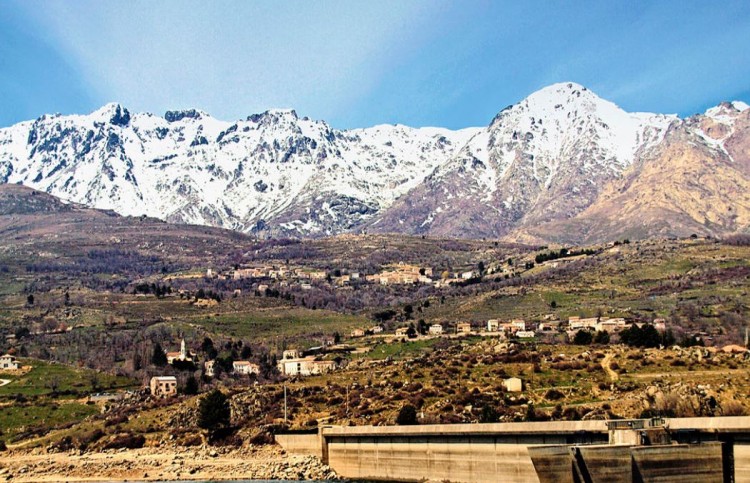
(546, 160)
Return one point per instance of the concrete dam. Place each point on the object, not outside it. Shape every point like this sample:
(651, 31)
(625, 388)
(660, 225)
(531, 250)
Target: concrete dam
(704, 450)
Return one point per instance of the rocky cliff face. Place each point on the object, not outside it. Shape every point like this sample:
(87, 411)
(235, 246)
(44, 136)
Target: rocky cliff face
(695, 181)
(561, 165)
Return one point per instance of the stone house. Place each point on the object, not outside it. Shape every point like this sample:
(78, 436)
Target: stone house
(463, 328)
(163, 386)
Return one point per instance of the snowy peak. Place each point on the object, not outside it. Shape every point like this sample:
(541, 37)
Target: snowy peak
(112, 113)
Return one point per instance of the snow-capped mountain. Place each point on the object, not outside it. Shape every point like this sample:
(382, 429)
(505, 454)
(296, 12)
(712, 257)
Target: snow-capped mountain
(271, 172)
(560, 160)
(545, 158)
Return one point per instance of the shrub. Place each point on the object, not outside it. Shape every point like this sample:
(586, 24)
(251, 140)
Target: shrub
(129, 441)
(90, 438)
(261, 438)
(733, 408)
(407, 415)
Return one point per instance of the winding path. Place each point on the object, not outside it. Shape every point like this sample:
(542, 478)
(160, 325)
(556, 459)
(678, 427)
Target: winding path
(613, 376)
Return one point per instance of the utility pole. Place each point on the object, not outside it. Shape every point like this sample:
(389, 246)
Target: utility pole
(347, 400)
(285, 419)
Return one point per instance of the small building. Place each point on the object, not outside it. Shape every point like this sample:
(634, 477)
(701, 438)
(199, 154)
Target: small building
(163, 386)
(493, 325)
(401, 331)
(358, 333)
(291, 354)
(548, 326)
(245, 367)
(377, 329)
(575, 323)
(513, 384)
(262, 288)
(525, 334)
(517, 324)
(305, 366)
(208, 368)
(436, 329)
(611, 325)
(463, 328)
(467, 275)
(8, 362)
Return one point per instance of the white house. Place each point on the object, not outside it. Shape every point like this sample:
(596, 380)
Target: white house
(525, 334)
(467, 275)
(245, 367)
(305, 366)
(208, 367)
(513, 384)
(493, 325)
(518, 324)
(8, 362)
(436, 329)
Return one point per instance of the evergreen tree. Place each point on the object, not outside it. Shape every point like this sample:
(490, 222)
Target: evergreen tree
(158, 358)
(214, 411)
(582, 337)
(191, 386)
(601, 337)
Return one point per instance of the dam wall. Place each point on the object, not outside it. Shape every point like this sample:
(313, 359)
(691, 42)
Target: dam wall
(710, 449)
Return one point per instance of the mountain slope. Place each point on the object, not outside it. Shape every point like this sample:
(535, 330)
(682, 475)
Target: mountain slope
(696, 181)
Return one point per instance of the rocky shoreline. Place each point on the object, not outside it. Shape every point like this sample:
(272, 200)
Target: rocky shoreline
(157, 464)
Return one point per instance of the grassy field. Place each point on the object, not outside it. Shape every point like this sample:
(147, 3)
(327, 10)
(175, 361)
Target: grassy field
(279, 323)
(15, 418)
(45, 376)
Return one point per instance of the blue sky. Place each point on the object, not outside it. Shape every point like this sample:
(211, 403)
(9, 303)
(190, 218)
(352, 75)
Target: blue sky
(358, 63)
